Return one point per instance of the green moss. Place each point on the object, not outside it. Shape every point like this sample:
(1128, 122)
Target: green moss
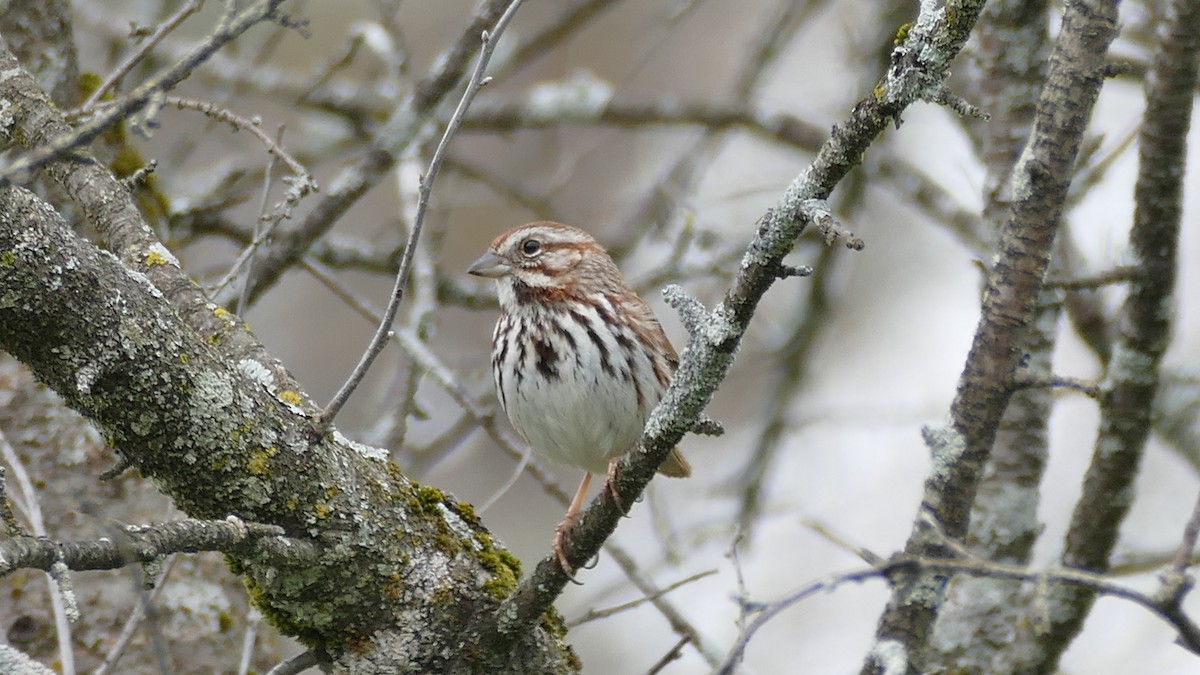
(504, 568)
(307, 636)
(902, 33)
(88, 83)
(417, 502)
(429, 498)
(8, 259)
(321, 509)
(552, 622)
(467, 513)
(224, 622)
(445, 540)
(126, 161)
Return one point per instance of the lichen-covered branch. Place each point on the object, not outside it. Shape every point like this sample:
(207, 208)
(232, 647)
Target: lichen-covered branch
(1126, 407)
(1004, 521)
(1040, 181)
(146, 543)
(217, 438)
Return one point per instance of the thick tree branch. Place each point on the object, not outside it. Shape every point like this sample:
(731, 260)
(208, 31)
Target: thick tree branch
(218, 440)
(1004, 521)
(1040, 183)
(1145, 321)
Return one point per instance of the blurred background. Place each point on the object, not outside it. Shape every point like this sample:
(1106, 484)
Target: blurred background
(825, 403)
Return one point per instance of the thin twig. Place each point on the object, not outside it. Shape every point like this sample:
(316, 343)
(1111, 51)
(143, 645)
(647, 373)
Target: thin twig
(377, 343)
(863, 553)
(253, 618)
(33, 514)
(132, 622)
(670, 656)
(739, 575)
(1189, 633)
(261, 233)
(297, 664)
(1176, 583)
(1026, 380)
(1114, 276)
(228, 29)
(133, 59)
(596, 614)
(157, 644)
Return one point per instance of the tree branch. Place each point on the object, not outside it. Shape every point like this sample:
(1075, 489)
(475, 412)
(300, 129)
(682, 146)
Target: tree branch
(1133, 376)
(218, 440)
(146, 543)
(709, 353)
(49, 145)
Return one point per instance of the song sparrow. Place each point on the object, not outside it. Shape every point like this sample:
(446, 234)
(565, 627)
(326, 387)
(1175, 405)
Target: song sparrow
(579, 360)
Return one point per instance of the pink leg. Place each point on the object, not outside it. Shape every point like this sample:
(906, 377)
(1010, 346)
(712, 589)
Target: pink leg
(560, 532)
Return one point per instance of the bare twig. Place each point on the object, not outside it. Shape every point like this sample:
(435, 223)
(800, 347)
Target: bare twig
(31, 506)
(149, 44)
(1176, 583)
(1118, 275)
(595, 614)
(113, 657)
(229, 28)
(142, 544)
(1187, 630)
(672, 655)
(1091, 389)
(377, 343)
(297, 664)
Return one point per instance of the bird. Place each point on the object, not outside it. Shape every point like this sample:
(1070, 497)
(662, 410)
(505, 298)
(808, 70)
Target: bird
(579, 360)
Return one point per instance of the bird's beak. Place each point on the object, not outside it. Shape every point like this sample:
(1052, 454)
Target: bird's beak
(489, 265)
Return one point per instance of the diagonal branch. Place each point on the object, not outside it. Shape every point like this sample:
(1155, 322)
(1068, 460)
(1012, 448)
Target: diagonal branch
(1041, 179)
(408, 126)
(710, 351)
(1126, 408)
(474, 84)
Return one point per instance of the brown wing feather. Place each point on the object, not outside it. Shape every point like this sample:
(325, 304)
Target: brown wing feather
(675, 465)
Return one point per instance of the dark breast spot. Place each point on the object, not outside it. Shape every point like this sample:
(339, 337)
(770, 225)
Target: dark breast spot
(547, 358)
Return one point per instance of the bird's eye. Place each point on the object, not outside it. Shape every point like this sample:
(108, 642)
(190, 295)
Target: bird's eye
(531, 247)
